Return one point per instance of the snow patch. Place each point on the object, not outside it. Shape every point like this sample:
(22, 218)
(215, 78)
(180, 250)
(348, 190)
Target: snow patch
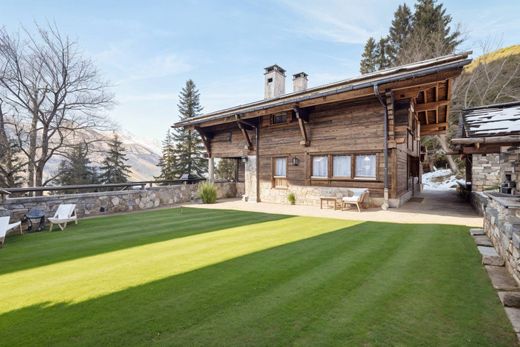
(442, 179)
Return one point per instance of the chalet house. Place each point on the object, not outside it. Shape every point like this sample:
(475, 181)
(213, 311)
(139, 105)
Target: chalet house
(362, 132)
(489, 138)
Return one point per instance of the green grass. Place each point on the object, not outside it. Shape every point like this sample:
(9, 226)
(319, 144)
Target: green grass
(211, 277)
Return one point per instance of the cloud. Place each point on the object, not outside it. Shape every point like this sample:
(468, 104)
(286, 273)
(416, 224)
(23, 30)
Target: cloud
(337, 20)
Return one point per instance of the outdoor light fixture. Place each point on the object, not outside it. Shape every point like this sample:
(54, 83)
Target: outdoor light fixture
(295, 161)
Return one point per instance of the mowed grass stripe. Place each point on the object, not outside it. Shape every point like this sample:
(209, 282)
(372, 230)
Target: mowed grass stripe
(98, 235)
(279, 281)
(304, 289)
(89, 277)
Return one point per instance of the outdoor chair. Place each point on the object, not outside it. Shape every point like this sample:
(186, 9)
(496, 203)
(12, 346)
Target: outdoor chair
(358, 198)
(5, 227)
(64, 214)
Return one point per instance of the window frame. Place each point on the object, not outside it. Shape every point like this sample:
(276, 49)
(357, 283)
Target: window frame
(279, 182)
(332, 165)
(327, 176)
(366, 178)
(287, 115)
(274, 167)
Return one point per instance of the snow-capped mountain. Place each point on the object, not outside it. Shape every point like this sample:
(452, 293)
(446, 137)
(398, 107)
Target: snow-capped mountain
(142, 155)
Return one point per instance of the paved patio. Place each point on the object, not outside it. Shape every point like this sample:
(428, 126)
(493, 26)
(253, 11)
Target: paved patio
(431, 207)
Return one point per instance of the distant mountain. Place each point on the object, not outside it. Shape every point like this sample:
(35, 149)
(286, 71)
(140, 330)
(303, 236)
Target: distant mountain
(143, 156)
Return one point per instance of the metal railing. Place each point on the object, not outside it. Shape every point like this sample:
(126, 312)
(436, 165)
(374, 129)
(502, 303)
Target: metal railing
(71, 189)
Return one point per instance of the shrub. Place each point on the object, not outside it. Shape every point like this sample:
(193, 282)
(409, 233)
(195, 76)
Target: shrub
(291, 198)
(208, 193)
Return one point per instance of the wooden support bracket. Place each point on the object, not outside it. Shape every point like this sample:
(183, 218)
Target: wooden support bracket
(302, 117)
(205, 139)
(241, 125)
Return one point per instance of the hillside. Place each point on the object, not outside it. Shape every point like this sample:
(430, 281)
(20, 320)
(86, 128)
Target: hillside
(493, 56)
(142, 156)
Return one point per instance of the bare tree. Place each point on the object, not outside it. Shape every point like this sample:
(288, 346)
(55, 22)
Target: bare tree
(492, 78)
(53, 91)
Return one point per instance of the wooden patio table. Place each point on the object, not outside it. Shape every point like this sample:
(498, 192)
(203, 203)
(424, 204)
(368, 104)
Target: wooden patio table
(327, 199)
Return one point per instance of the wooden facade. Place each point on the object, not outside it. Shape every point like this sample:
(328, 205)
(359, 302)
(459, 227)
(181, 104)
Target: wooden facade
(337, 125)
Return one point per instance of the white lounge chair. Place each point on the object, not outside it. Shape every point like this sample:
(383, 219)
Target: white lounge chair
(64, 214)
(359, 197)
(5, 227)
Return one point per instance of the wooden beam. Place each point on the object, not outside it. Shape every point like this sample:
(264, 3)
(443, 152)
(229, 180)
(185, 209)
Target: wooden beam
(430, 106)
(249, 144)
(300, 117)
(491, 139)
(481, 150)
(205, 139)
(437, 100)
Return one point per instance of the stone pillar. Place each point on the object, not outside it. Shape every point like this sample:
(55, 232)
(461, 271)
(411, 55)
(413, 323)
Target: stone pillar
(250, 178)
(211, 170)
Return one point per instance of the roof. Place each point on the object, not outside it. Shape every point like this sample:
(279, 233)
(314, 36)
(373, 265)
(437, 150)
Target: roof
(399, 73)
(492, 120)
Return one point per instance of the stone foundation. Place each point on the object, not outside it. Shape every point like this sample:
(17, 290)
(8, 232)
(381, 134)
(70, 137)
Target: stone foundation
(103, 203)
(502, 226)
(310, 195)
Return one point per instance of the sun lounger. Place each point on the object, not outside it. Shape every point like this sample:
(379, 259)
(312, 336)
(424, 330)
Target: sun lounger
(5, 227)
(65, 213)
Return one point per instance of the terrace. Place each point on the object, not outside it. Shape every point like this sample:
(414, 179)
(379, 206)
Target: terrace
(226, 276)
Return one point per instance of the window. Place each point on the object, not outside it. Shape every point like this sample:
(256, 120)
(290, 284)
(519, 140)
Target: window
(320, 166)
(280, 167)
(280, 172)
(366, 166)
(341, 166)
(281, 118)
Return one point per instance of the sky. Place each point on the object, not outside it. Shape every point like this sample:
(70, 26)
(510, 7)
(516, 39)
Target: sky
(148, 49)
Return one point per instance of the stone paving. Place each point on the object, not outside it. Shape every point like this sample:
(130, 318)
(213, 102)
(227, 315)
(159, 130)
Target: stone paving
(436, 207)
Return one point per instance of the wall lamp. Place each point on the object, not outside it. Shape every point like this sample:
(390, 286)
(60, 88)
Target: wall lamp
(295, 161)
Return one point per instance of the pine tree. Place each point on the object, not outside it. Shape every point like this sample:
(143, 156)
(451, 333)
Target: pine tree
(368, 59)
(400, 31)
(168, 162)
(189, 149)
(76, 168)
(114, 168)
(382, 60)
(11, 168)
(431, 34)
(226, 169)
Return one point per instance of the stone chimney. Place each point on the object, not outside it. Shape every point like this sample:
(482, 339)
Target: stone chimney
(299, 81)
(274, 81)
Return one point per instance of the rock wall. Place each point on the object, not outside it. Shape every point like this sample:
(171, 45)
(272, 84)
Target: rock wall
(485, 172)
(502, 226)
(310, 195)
(103, 203)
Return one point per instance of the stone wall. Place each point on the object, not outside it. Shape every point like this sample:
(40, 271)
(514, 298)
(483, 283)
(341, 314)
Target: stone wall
(489, 170)
(485, 172)
(310, 195)
(103, 203)
(502, 226)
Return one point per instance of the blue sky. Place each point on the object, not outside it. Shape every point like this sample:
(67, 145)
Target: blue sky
(148, 49)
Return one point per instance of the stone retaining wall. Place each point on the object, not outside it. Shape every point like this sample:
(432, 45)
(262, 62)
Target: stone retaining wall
(502, 226)
(103, 203)
(485, 171)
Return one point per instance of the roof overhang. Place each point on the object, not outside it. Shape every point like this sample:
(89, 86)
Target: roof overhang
(401, 77)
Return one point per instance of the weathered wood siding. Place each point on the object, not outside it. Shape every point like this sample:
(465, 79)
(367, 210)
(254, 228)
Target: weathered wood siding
(332, 129)
(341, 128)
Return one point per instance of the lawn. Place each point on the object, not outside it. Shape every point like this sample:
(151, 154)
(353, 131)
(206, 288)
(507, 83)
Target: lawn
(229, 278)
